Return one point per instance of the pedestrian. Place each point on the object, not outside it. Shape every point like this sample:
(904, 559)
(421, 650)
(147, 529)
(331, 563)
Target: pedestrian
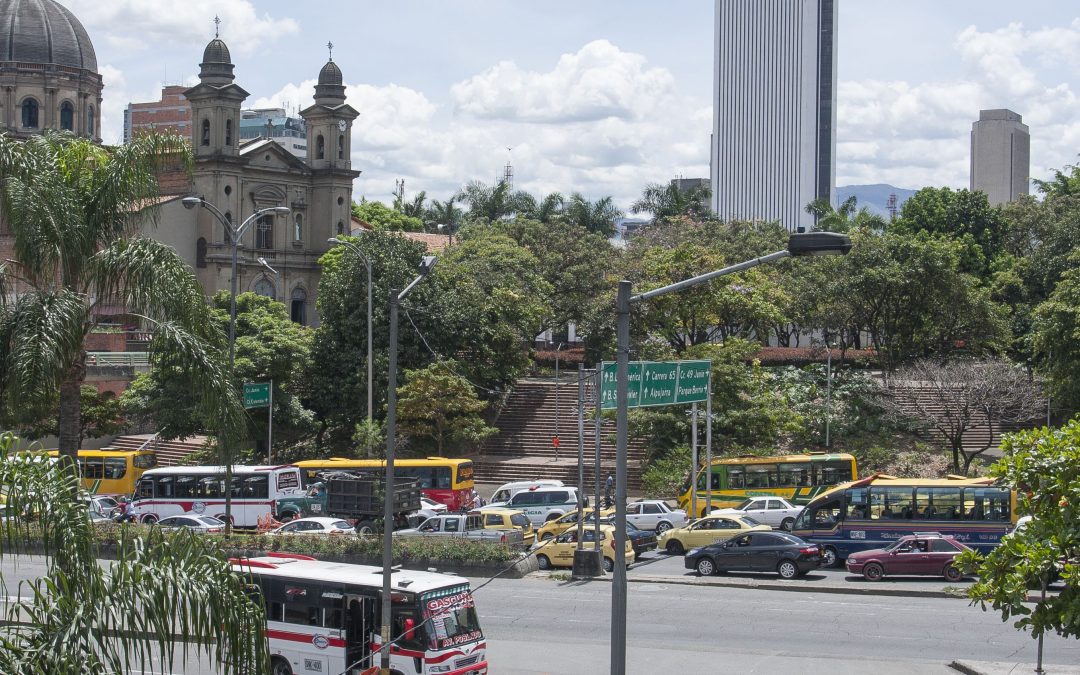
(609, 489)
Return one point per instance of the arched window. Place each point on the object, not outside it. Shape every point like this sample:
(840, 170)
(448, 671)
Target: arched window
(200, 252)
(320, 147)
(67, 116)
(228, 133)
(340, 227)
(298, 227)
(265, 288)
(90, 121)
(228, 228)
(264, 232)
(341, 147)
(298, 306)
(206, 132)
(30, 114)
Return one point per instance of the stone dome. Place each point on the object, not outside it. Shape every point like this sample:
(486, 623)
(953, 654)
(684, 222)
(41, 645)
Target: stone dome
(330, 74)
(216, 52)
(43, 31)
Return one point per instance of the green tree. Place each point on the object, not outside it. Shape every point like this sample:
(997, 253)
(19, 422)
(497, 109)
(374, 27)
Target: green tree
(438, 405)
(382, 217)
(414, 208)
(1043, 466)
(443, 213)
(489, 203)
(102, 415)
(1055, 338)
(846, 218)
(156, 588)
(1063, 184)
(598, 217)
(667, 201)
(75, 209)
(962, 215)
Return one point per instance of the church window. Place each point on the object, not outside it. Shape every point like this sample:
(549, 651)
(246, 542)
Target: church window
(298, 306)
(264, 232)
(340, 227)
(67, 116)
(228, 133)
(320, 147)
(30, 114)
(228, 227)
(205, 132)
(341, 147)
(265, 288)
(90, 121)
(200, 252)
(298, 227)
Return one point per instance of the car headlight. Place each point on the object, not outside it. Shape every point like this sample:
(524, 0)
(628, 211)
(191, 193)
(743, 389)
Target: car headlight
(440, 669)
(693, 551)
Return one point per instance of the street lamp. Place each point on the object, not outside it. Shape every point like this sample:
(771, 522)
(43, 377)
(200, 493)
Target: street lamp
(235, 232)
(799, 245)
(426, 263)
(270, 403)
(449, 231)
(367, 261)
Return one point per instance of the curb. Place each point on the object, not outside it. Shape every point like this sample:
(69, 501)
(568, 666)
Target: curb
(964, 668)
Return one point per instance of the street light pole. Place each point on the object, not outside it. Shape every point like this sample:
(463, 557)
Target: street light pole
(370, 367)
(799, 244)
(235, 233)
(388, 502)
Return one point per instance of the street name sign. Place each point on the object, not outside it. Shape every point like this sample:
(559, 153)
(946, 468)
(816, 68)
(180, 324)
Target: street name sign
(654, 383)
(256, 394)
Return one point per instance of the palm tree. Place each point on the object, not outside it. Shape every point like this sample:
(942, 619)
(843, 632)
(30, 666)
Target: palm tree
(668, 201)
(84, 617)
(598, 216)
(549, 208)
(493, 202)
(443, 213)
(847, 218)
(413, 209)
(75, 210)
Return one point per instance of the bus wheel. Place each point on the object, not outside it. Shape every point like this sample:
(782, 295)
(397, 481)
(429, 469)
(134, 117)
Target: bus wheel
(149, 520)
(786, 524)
(829, 558)
(279, 666)
(952, 573)
(873, 572)
(366, 527)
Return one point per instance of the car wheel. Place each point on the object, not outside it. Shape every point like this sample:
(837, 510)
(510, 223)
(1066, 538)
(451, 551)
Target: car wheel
(609, 565)
(872, 572)
(286, 517)
(706, 567)
(829, 557)
(675, 547)
(786, 524)
(952, 573)
(787, 569)
(543, 562)
(662, 528)
(279, 666)
(149, 520)
(366, 527)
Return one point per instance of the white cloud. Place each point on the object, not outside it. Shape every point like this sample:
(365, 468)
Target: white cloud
(143, 24)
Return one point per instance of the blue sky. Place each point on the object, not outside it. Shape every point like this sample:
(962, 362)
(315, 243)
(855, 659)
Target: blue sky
(603, 97)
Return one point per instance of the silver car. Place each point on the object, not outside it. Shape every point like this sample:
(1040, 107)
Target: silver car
(196, 522)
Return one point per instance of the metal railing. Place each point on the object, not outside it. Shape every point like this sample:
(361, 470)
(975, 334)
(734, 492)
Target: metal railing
(134, 359)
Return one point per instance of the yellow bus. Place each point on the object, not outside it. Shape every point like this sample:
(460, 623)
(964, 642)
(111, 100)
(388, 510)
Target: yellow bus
(442, 479)
(798, 478)
(112, 472)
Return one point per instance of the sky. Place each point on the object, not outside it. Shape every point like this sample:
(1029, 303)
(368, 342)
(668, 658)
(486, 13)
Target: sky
(598, 96)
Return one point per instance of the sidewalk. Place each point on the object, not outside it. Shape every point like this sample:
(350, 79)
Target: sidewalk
(987, 668)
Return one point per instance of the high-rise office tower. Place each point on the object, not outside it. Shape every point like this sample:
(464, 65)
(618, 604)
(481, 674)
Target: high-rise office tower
(1000, 155)
(774, 109)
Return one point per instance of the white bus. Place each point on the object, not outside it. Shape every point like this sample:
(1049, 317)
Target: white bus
(324, 617)
(173, 490)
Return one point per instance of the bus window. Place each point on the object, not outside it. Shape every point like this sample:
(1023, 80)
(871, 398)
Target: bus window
(145, 488)
(92, 468)
(987, 504)
(856, 504)
(211, 487)
(890, 503)
(794, 474)
(937, 503)
(255, 487)
(115, 468)
(832, 472)
(185, 487)
(440, 478)
(760, 475)
(736, 477)
(826, 515)
(715, 476)
(165, 487)
(145, 461)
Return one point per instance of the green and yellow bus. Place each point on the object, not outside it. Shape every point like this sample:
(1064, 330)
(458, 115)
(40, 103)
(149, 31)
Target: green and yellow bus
(798, 478)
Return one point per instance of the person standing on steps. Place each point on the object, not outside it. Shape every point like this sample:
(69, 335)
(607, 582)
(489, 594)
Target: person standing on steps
(609, 490)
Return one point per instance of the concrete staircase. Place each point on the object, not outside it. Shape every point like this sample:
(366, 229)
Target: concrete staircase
(522, 450)
(170, 453)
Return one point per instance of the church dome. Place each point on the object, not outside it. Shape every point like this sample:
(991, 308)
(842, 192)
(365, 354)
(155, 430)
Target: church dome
(330, 74)
(45, 32)
(216, 52)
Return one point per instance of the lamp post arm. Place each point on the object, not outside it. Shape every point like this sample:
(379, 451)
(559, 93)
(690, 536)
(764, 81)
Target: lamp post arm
(694, 281)
(408, 288)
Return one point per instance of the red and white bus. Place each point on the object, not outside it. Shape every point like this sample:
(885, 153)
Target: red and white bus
(173, 490)
(324, 617)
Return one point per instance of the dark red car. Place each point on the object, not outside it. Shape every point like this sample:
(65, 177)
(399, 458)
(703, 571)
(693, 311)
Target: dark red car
(930, 554)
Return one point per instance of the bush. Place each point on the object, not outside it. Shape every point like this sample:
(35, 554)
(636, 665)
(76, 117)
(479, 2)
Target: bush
(665, 476)
(923, 461)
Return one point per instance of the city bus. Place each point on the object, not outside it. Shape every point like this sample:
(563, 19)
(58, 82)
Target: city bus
(112, 471)
(442, 479)
(173, 490)
(325, 617)
(878, 510)
(798, 478)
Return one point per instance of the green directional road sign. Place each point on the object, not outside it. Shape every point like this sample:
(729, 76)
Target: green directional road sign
(256, 394)
(655, 383)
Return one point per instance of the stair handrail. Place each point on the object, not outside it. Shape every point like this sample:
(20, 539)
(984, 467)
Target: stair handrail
(153, 439)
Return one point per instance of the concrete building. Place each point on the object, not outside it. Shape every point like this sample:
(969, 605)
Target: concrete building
(1000, 156)
(276, 123)
(774, 109)
(170, 114)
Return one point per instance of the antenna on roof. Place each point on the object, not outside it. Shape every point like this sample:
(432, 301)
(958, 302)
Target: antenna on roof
(217, 26)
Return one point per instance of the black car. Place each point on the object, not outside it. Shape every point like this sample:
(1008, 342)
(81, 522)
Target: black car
(785, 554)
(641, 540)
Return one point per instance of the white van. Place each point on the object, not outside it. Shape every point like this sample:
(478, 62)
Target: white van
(542, 504)
(508, 490)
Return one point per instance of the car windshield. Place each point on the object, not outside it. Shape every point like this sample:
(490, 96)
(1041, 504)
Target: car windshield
(451, 617)
(341, 525)
(519, 520)
(744, 504)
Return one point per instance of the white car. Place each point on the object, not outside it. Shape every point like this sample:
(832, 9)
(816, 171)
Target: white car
(428, 509)
(317, 525)
(775, 512)
(654, 514)
(196, 522)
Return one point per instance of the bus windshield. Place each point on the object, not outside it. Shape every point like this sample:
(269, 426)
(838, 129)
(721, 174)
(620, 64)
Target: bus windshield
(451, 617)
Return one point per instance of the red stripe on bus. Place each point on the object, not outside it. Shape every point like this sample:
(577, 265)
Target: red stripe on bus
(302, 637)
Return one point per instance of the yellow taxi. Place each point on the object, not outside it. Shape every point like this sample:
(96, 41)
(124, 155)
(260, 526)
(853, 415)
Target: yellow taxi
(705, 531)
(553, 528)
(496, 518)
(559, 552)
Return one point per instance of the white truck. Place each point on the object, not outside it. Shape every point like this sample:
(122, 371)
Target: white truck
(463, 526)
(775, 512)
